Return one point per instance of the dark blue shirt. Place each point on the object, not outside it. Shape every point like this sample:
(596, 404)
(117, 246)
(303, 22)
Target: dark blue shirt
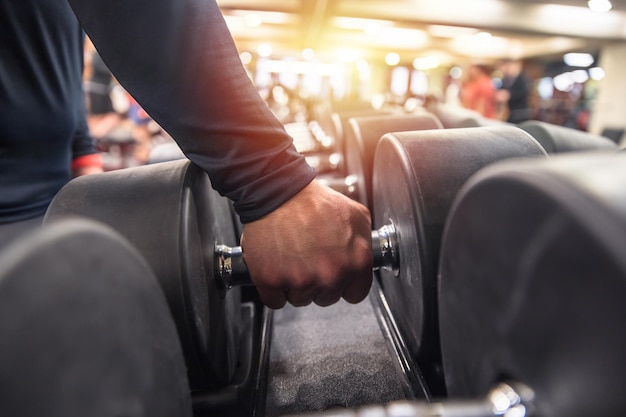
(42, 112)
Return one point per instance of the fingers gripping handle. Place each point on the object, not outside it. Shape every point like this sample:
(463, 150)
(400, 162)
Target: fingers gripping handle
(231, 270)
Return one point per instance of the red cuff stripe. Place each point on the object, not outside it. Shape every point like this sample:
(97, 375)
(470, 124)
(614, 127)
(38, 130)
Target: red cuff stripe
(91, 160)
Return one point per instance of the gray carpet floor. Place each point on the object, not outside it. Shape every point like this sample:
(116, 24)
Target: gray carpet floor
(322, 358)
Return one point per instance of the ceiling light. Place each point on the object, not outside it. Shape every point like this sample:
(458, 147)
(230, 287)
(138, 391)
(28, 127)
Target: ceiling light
(563, 82)
(442, 31)
(257, 17)
(264, 50)
(348, 55)
(578, 59)
(545, 88)
(357, 23)
(426, 63)
(401, 38)
(246, 57)
(372, 28)
(600, 5)
(392, 58)
(456, 72)
(596, 73)
(580, 76)
(253, 20)
(482, 45)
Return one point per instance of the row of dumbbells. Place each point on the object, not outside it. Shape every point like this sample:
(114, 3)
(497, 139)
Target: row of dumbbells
(507, 269)
(467, 270)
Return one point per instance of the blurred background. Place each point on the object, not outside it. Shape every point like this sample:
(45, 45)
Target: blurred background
(303, 55)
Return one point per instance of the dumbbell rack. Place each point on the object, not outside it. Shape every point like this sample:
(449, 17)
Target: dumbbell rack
(339, 356)
(246, 395)
(244, 360)
(298, 360)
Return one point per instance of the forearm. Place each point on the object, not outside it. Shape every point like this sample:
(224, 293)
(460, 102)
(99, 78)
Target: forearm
(178, 60)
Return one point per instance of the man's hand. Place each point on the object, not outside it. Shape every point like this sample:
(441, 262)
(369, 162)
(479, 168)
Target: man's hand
(316, 247)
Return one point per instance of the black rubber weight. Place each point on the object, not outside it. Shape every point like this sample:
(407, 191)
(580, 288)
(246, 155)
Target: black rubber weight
(171, 214)
(533, 281)
(416, 178)
(86, 330)
(559, 139)
(362, 136)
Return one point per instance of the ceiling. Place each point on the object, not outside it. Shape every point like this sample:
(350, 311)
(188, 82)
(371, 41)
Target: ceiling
(452, 31)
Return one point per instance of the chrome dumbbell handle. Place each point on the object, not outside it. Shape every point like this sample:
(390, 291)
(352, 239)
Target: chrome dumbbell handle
(385, 249)
(231, 271)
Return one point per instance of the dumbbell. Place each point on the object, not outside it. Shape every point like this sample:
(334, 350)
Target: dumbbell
(533, 281)
(455, 117)
(362, 133)
(416, 178)
(362, 136)
(231, 271)
(559, 139)
(85, 328)
(531, 288)
(156, 208)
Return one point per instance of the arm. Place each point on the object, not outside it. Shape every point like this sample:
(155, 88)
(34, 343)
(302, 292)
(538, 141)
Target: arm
(178, 60)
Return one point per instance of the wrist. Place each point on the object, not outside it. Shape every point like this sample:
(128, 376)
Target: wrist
(93, 160)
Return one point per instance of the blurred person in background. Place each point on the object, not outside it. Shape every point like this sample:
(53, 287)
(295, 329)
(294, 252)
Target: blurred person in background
(478, 92)
(513, 95)
(140, 131)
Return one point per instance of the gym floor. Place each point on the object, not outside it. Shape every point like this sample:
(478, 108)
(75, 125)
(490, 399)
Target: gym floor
(337, 356)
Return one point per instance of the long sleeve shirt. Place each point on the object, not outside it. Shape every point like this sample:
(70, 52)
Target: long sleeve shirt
(178, 60)
(43, 125)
